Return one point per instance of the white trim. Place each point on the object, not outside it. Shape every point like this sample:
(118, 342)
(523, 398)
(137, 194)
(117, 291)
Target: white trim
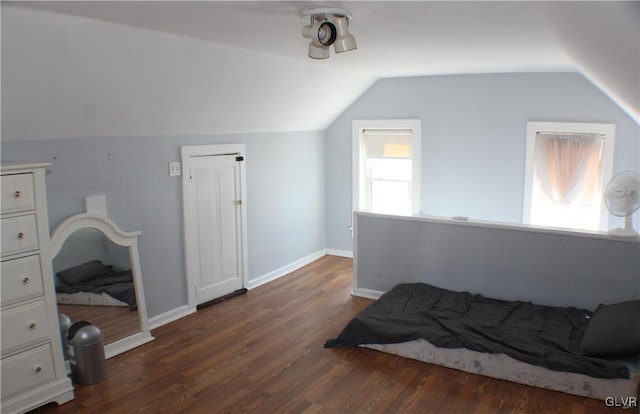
(367, 293)
(126, 344)
(187, 152)
(354, 268)
(10, 167)
(592, 234)
(357, 136)
(170, 316)
(68, 226)
(178, 313)
(606, 172)
(284, 270)
(340, 253)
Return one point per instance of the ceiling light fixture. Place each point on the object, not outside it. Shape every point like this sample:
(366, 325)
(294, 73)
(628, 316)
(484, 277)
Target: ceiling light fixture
(328, 27)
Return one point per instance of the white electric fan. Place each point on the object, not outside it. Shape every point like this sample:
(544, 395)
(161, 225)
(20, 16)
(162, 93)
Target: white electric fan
(622, 198)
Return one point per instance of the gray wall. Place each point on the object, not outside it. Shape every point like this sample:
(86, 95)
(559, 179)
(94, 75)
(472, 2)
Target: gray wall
(473, 165)
(545, 267)
(473, 130)
(285, 197)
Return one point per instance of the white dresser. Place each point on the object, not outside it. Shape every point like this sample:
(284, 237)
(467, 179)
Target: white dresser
(33, 370)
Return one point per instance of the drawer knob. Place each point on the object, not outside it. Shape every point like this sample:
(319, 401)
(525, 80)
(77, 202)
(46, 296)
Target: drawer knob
(26, 280)
(21, 235)
(17, 194)
(38, 368)
(32, 326)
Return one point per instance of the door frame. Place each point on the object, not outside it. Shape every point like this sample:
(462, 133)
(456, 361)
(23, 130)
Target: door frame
(197, 151)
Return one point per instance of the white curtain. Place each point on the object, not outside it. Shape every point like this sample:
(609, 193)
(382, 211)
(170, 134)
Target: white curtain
(565, 162)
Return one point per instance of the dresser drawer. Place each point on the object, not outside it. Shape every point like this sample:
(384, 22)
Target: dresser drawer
(17, 193)
(27, 370)
(24, 325)
(19, 234)
(21, 279)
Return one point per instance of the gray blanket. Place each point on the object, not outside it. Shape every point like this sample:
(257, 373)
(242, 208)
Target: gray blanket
(118, 285)
(539, 335)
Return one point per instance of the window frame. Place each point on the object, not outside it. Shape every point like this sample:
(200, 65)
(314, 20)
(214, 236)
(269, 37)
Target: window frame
(606, 170)
(359, 162)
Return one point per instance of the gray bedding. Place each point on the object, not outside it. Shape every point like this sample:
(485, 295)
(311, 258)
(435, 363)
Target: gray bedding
(539, 335)
(118, 284)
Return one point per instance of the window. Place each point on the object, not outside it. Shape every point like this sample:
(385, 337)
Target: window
(386, 166)
(567, 167)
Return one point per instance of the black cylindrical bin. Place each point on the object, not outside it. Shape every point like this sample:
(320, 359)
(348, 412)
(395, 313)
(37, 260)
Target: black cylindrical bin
(86, 353)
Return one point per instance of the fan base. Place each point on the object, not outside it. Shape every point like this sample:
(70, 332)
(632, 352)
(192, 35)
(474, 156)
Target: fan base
(624, 232)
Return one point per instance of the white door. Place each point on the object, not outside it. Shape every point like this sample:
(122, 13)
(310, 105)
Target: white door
(214, 217)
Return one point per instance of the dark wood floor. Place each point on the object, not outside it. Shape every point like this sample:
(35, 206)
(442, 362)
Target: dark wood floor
(115, 322)
(263, 353)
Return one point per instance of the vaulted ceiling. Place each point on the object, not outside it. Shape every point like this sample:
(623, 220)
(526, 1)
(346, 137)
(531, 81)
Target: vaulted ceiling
(76, 69)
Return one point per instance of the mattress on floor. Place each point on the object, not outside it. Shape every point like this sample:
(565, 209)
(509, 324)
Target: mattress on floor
(547, 336)
(502, 366)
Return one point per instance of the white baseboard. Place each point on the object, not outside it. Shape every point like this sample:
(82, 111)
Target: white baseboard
(172, 315)
(175, 314)
(278, 273)
(341, 253)
(367, 293)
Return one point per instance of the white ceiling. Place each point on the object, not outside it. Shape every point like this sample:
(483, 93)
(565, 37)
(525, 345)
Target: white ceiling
(394, 38)
(599, 40)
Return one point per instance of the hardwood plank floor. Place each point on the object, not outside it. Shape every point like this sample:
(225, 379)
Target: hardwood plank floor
(115, 322)
(263, 353)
